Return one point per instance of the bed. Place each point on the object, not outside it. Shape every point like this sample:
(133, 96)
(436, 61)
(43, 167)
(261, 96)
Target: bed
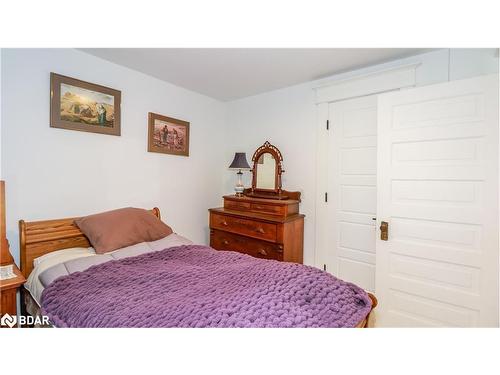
(40, 238)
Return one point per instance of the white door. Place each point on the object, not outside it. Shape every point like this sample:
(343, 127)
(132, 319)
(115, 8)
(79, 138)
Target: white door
(438, 190)
(352, 194)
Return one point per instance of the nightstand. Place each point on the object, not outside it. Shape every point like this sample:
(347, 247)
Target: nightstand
(8, 291)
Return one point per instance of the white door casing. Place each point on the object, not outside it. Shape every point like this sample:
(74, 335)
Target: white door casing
(437, 183)
(352, 167)
(371, 83)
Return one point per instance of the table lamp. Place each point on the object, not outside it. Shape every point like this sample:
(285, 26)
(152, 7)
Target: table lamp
(239, 163)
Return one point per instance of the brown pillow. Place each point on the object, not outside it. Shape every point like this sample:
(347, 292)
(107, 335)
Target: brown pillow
(115, 229)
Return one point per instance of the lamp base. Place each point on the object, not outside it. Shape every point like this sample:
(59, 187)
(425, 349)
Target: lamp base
(239, 190)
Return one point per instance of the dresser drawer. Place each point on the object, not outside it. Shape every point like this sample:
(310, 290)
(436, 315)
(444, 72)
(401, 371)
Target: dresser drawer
(235, 205)
(259, 249)
(267, 209)
(247, 227)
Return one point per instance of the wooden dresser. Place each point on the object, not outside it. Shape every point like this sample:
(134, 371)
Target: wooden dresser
(263, 228)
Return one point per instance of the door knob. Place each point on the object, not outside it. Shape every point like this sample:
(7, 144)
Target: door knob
(384, 231)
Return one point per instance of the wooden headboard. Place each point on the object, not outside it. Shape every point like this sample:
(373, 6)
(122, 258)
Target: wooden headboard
(42, 237)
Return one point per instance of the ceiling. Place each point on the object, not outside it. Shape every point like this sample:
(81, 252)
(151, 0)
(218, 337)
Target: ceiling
(228, 74)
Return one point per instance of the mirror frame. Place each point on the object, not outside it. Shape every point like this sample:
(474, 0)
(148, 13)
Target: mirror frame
(273, 150)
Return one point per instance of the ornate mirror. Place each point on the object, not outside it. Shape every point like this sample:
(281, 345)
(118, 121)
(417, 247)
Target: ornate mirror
(266, 172)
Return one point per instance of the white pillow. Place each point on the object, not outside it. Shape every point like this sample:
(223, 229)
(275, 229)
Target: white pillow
(33, 284)
(62, 255)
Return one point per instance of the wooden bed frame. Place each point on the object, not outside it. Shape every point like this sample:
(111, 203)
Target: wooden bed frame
(38, 238)
(366, 322)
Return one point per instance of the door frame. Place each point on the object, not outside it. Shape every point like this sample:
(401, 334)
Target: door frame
(395, 78)
(341, 256)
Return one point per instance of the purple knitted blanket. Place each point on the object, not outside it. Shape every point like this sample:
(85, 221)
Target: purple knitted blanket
(196, 286)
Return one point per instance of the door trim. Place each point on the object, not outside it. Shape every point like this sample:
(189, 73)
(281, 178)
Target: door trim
(368, 84)
(381, 81)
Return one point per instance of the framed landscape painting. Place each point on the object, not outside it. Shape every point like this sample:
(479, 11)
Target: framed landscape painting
(83, 106)
(168, 135)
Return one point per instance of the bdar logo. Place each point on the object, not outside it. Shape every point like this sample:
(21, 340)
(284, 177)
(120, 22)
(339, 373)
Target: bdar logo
(8, 320)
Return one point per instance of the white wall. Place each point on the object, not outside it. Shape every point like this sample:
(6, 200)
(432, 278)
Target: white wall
(287, 118)
(55, 173)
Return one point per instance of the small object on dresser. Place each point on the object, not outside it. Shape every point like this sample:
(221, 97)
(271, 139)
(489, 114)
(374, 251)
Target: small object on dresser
(8, 304)
(7, 272)
(239, 162)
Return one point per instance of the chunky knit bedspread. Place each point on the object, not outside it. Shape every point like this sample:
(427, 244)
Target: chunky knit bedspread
(196, 286)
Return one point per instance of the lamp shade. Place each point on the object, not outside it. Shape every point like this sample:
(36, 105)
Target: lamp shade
(240, 161)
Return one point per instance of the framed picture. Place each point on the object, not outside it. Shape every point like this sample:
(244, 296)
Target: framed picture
(83, 106)
(168, 135)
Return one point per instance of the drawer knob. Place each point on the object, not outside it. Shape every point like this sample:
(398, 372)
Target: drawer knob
(260, 230)
(263, 252)
(225, 242)
(224, 223)
(280, 248)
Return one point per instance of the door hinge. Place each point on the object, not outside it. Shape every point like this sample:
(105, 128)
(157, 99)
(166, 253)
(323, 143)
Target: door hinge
(324, 267)
(327, 124)
(326, 197)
